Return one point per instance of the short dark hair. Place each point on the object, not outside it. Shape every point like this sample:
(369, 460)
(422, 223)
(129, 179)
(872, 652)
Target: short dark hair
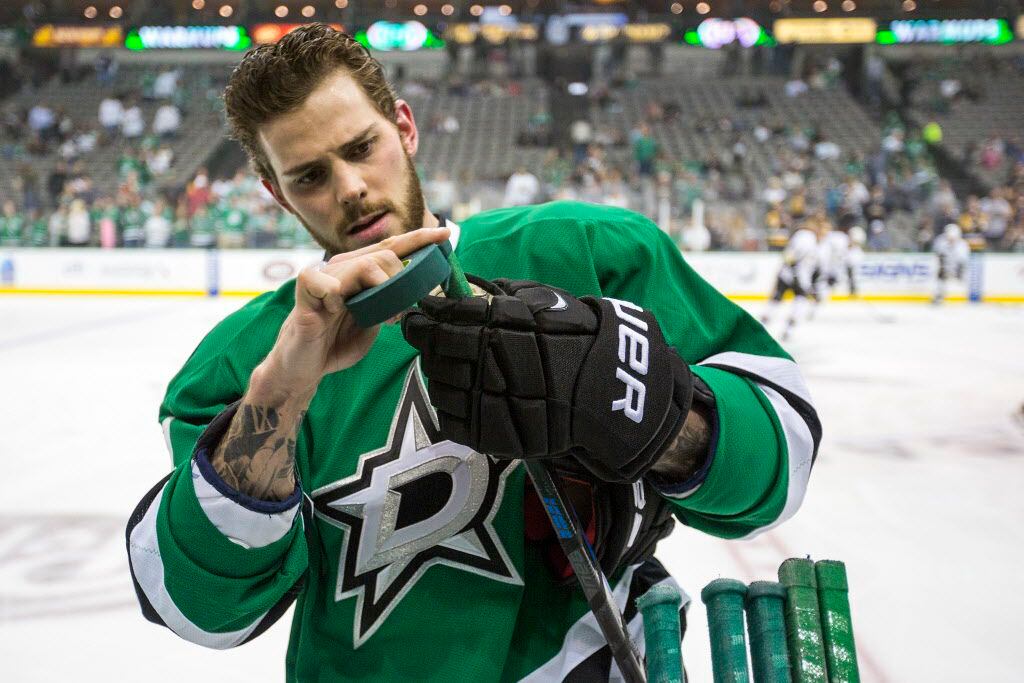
(277, 78)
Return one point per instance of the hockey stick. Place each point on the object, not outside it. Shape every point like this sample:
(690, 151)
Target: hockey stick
(581, 556)
(574, 544)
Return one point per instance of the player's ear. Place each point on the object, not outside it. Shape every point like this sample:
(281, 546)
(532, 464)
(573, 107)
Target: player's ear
(406, 125)
(275, 192)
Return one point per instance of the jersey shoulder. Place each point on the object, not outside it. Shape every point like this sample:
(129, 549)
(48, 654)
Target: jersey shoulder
(242, 338)
(573, 224)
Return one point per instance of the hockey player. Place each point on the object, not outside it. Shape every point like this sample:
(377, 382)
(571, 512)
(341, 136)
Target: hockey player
(373, 477)
(953, 252)
(834, 250)
(799, 259)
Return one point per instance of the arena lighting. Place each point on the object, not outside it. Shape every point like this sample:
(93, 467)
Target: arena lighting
(419, 10)
(676, 8)
(476, 10)
(849, 5)
(775, 6)
(909, 5)
(198, 4)
(505, 10)
(703, 8)
(308, 11)
(447, 10)
(90, 12)
(225, 11)
(341, 4)
(281, 12)
(116, 12)
(820, 5)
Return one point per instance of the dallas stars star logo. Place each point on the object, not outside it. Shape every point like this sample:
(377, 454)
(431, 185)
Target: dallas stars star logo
(417, 502)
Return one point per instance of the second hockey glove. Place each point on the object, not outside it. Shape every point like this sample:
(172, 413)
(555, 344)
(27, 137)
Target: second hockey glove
(532, 371)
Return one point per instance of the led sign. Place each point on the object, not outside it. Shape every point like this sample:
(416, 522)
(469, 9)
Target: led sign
(52, 35)
(390, 36)
(188, 38)
(991, 31)
(825, 31)
(716, 33)
(271, 33)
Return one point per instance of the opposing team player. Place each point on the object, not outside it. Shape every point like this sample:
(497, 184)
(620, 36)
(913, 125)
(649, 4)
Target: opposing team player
(372, 476)
(834, 259)
(799, 259)
(953, 252)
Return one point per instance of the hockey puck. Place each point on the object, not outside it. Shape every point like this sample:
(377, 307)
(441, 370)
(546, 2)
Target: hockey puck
(423, 271)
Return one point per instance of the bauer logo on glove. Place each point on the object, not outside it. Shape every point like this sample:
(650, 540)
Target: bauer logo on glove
(534, 372)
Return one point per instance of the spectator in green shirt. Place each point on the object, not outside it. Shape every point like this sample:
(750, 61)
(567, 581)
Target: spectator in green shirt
(204, 229)
(232, 226)
(645, 151)
(12, 226)
(133, 221)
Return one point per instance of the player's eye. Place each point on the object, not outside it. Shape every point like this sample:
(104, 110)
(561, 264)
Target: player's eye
(363, 149)
(310, 178)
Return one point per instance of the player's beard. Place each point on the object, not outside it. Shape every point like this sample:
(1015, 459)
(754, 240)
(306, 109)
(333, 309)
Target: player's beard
(409, 214)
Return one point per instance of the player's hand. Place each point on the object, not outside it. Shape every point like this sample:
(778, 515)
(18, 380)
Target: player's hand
(536, 372)
(320, 336)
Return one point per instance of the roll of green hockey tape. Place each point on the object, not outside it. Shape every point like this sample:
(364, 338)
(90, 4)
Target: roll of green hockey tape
(660, 608)
(424, 269)
(724, 600)
(836, 625)
(803, 621)
(766, 625)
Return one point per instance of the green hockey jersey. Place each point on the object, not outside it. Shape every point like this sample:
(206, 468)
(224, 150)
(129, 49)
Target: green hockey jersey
(407, 560)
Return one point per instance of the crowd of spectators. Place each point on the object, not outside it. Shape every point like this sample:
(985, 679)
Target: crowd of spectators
(224, 213)
(717, 201)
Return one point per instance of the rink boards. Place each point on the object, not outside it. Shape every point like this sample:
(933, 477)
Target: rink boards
(898, 277)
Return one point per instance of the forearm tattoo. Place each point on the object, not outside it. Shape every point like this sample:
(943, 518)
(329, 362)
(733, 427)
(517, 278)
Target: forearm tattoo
(257, 455)
(688, 451)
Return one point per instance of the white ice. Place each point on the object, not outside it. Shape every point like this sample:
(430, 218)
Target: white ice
(917, 488)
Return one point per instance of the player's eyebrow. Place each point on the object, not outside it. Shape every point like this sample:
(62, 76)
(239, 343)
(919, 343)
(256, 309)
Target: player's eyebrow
(358, 139)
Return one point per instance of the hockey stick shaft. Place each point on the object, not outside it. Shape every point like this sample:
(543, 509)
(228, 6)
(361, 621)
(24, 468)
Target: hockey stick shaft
(574, 544)
(593, 582)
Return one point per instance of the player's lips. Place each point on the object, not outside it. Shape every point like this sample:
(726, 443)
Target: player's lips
(366, 222)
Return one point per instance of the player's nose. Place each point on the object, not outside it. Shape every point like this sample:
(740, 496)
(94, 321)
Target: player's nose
(349, 185)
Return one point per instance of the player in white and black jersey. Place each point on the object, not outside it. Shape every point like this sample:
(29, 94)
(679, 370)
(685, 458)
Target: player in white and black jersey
(953, 252)
(799, 259)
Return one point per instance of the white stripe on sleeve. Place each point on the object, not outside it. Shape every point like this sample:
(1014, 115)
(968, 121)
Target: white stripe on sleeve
(148, 569)
(780, 371)
(248, 528)
(799, 452)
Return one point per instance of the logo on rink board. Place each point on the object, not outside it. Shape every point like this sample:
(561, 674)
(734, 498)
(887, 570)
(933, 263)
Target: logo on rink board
(417, 502)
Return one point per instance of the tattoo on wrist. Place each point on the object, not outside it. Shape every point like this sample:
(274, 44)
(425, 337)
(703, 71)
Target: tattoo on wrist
(688, 451)
(257, 455)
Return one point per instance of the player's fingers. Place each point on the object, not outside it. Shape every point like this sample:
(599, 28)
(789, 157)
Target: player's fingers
(355, 276)
(317, 290)
(403, 244)
(386, 260)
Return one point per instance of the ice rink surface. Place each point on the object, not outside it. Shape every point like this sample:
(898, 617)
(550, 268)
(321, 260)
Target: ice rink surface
(917, 488)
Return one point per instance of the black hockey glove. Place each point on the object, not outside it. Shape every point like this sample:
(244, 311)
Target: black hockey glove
(535, 372)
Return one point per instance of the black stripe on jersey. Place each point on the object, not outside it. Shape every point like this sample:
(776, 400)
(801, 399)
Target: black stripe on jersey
(804, 409)
(137, 514)
(598, 666)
